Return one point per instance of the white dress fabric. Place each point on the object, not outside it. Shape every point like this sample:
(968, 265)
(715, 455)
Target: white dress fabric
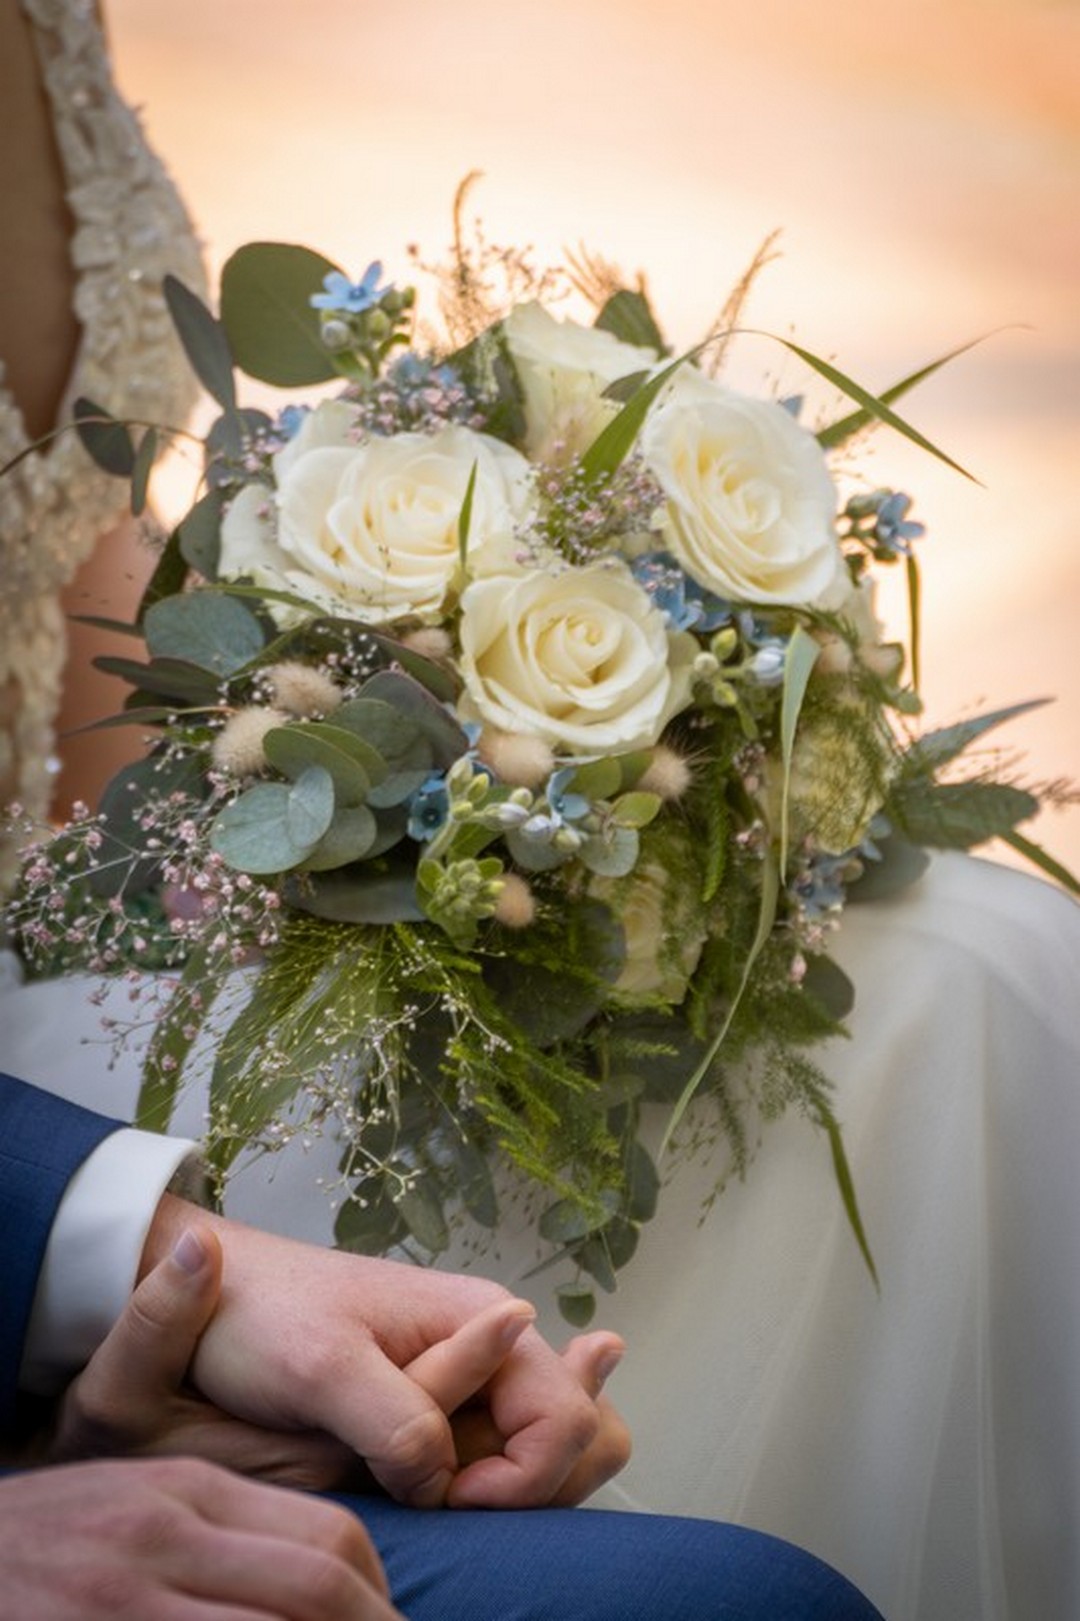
(925, 1440)
(130, 228)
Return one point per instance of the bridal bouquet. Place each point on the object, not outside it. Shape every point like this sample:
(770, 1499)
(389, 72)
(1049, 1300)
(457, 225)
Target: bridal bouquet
(521, 727)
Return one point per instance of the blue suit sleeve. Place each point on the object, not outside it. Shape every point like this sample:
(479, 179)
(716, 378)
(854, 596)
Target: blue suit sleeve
(43, 1141)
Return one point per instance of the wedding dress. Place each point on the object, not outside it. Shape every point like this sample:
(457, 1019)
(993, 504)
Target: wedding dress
(924, 1439)
(130, 228)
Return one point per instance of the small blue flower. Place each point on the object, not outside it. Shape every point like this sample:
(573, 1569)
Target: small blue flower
(565, 807)
(768, 663)
(291, 419)
(351, 298)
(821, 887)
(683, 603)
(892, 530)
(429, 808)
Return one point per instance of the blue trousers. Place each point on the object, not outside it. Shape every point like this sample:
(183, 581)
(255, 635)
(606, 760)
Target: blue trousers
(589, 1565)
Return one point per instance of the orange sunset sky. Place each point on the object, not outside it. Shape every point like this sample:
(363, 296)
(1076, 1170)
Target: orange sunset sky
(922, 160)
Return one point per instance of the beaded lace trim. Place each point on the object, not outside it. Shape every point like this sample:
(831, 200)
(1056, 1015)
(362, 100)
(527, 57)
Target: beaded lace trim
(130, 229)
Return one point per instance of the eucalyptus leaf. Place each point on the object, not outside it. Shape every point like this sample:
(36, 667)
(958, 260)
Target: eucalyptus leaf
(213, 631)
(636, 809)
(105, 439)
(642, 1184)
(293, 748)
(597, 779)
(422, 1212)
(565, 1222)
(140, 472)
(349, 897)
(901, 865)
(416, 704)
(577, 1304)
(611, 854)
(309, 809)
(368, 1228)
(170, 573)
(204, 341)
(199, 534)
(271, 327)
(351, 836)
(187, 683)
(827, 983)
(253, 834)
(474, 1182)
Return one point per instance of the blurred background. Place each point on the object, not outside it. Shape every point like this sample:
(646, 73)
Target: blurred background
(921, 159)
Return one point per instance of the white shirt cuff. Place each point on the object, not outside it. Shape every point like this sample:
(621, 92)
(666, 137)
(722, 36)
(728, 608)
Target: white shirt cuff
(92, 1258)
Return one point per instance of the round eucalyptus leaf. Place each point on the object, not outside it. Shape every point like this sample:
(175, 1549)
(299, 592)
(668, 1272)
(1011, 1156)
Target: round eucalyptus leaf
(410, 699)
(577, 1304)
(272, 329)
(613, 854)
(205, 628)
(293, 749)
(351, 897)
(370, 1228)
(350, 836)
(309, 809)
(252, 834)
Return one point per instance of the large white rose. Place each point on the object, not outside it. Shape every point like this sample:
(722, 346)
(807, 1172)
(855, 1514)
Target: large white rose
(564, 369)
(371, 530)
(578, 657)
(750, 504)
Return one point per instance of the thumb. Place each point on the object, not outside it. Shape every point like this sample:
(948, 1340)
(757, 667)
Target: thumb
(152, 1343)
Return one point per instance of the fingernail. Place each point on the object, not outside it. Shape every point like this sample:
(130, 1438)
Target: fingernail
(524, 1316)
(431, 1493)
(607, 1364)
(188, 1252)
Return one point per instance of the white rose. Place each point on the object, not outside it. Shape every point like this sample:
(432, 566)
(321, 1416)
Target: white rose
(580, 658)
(371, 530)
(750, 504)
(564, 369)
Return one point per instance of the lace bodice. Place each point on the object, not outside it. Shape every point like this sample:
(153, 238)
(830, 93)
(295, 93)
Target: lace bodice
(130, 228)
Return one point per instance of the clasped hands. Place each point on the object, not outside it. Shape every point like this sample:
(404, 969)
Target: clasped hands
(294, 1364)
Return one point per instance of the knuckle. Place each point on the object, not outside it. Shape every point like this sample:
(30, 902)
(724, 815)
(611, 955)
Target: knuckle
(580, 1422)
(330, 1586)
(416, 1441)
(113, 1592)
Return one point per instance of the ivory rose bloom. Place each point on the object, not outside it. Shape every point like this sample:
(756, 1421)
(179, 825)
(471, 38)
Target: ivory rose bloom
(579, 657)
(564, 369)
(370, 530)
(662, 941)
(750, 504)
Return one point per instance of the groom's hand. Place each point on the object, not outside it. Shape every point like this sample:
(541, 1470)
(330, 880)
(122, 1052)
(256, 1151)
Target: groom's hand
(311, 1339)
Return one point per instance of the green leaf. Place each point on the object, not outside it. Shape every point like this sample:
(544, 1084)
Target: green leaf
(565, 1222)
(106, 440)
(465, 519)
(416, 704)
(642, 1184)
(597, 779)
(254, 834)
(122, 863)
(629, 317)
(1043, 859)
(199, 534)
(901, 865)
(577, 1304)
(914, 591)
(351, 836)
(486, 367)
(187, 683)
(204, 341)
(613, 444)
(845, 1182)
(309, 809)
(422, 1212)
(636, 809)
(140, 473)
(265, 309)
(827, 983)
(957, 815)
(770, 894)
(836, 434)
(170, 573)
(371, 1228)
(801, 656)
(348, 897)
(869, 402)
(473, 1177)
(208, 629)
(935, 749)
(352, 763)
(611, 854)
